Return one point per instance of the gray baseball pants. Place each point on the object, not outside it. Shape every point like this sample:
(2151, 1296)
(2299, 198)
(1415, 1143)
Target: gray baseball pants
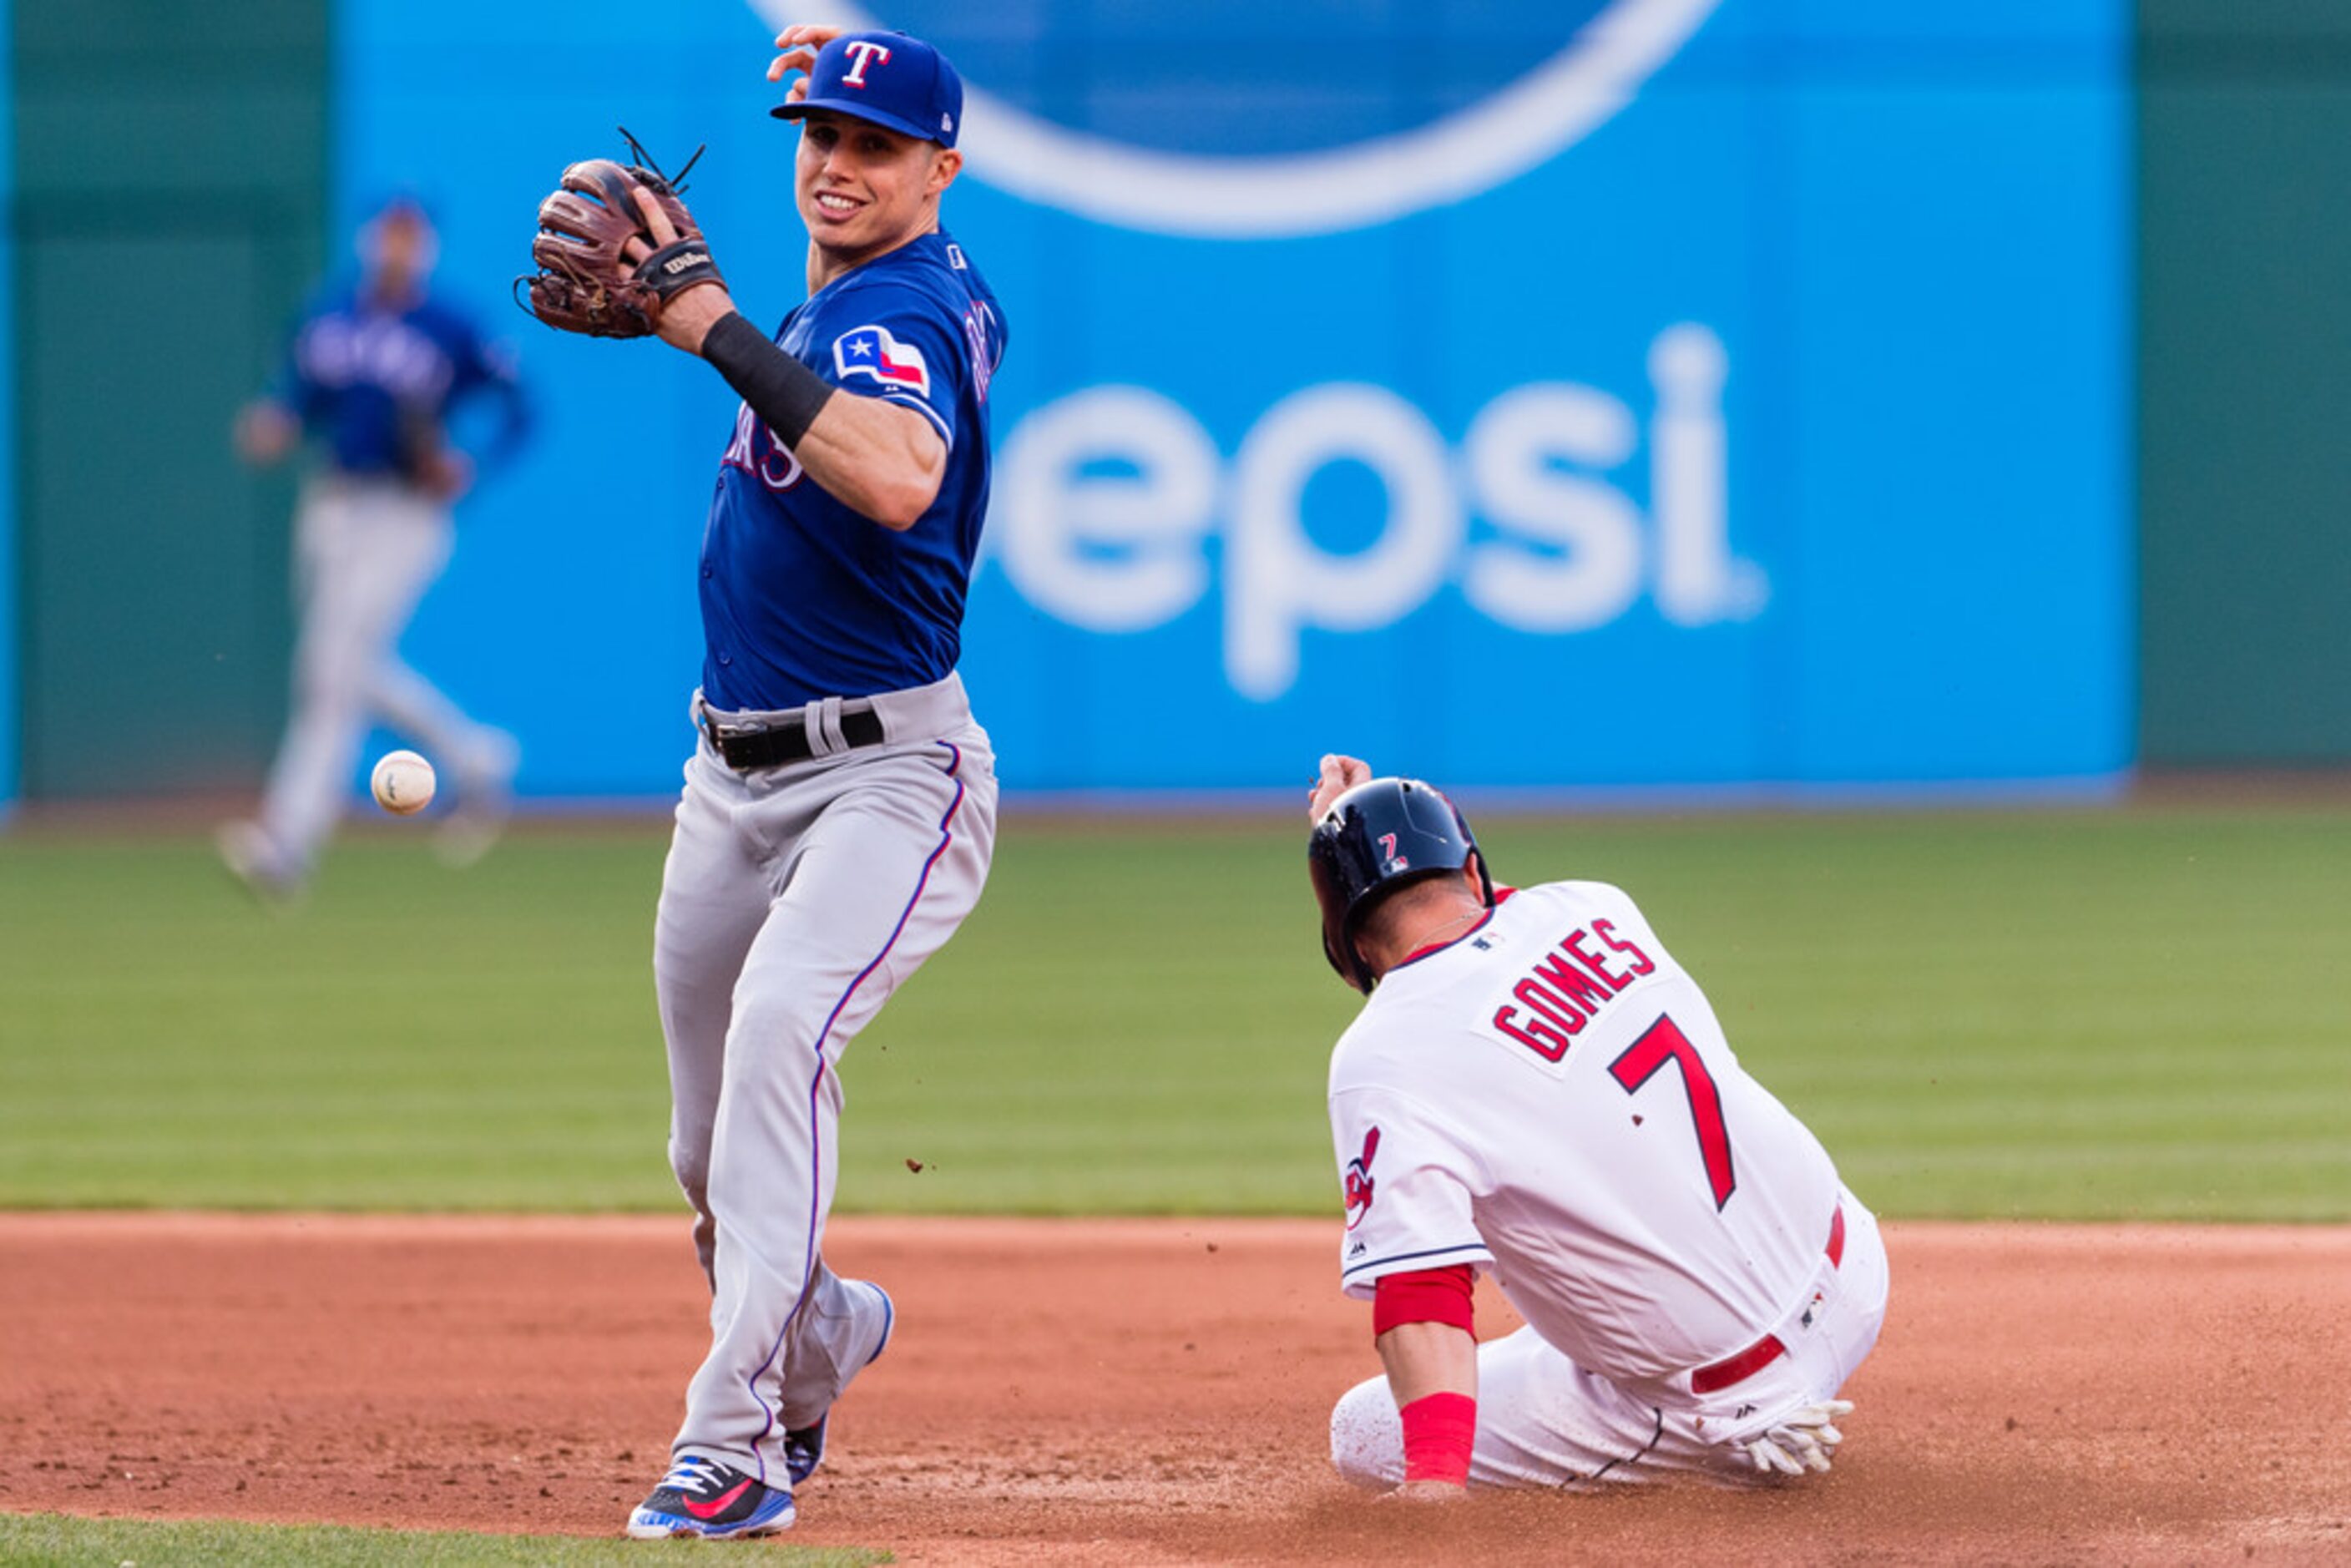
(795, 900)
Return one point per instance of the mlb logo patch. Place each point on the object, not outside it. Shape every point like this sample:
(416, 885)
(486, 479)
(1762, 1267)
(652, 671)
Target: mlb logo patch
(871, 351)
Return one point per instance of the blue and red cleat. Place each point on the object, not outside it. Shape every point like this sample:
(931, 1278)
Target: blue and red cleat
(714, 1501)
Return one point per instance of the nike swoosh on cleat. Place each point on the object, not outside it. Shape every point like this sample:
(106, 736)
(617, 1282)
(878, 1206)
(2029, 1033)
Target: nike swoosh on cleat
(719, 1505)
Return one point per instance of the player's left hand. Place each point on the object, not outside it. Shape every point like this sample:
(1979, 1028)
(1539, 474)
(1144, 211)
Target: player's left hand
(615, 249)
(1805, 1440)
(685, 316)
(800, 42)
(1339, 774)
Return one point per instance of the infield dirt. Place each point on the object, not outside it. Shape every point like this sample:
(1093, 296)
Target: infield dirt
(1141, 1391)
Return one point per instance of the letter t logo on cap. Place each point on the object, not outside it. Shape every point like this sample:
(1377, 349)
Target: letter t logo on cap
(867, 53)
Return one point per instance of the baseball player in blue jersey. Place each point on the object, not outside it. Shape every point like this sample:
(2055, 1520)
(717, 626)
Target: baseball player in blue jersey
(840, 808)
(372, 375)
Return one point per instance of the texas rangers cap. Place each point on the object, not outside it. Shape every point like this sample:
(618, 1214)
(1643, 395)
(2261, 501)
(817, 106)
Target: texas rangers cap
(893, 79)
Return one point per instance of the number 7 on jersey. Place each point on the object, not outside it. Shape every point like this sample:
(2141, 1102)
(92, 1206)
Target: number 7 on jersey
(1664, 1042)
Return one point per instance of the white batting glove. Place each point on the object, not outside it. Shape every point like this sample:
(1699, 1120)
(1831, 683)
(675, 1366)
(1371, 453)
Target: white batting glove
(1806, 1440)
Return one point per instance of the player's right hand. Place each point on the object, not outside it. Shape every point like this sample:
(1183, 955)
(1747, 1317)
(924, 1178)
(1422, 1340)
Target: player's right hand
(800, 42)
(1339, 774)
(445, 473)
(265, 433)
(1805, 1440)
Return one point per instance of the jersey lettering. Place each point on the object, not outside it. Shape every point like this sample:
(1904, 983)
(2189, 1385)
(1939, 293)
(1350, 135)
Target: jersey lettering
(385, 352)
(1642, 963)
(1574, 948)
(756, 451)
(1535, 1033)
(1664, 1042)
(1566, 988)
(1548, 1003)
(974, 337)
(1574, 989)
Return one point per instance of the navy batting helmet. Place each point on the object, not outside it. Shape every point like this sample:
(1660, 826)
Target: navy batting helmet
(1376, 838)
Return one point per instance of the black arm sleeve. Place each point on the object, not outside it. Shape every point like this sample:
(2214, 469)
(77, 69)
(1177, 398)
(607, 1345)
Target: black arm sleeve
(780, 389)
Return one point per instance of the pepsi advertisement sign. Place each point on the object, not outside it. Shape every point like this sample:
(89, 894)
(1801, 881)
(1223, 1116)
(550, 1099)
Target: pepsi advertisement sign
(1604, 395)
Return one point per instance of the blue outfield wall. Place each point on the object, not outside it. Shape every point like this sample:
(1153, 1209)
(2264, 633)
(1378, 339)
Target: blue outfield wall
(1555, 394)
(10, 708)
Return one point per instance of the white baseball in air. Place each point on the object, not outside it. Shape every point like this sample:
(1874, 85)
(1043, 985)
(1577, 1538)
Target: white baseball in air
(403, 782)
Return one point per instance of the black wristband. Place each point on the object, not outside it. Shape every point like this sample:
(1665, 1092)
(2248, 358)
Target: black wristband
(780, 389)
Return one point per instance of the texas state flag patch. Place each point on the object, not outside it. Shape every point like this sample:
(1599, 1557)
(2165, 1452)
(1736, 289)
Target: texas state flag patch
(871, 351)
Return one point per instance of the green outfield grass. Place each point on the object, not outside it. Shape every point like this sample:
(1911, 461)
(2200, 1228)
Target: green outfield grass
(53, 1541)
(2048, 1013)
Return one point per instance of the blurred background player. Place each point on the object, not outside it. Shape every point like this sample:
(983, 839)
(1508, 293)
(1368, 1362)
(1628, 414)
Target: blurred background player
(374, 370)
(1537, 1089)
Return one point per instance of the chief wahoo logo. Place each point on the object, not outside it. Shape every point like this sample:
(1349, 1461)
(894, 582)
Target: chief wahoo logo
(1359, 1180)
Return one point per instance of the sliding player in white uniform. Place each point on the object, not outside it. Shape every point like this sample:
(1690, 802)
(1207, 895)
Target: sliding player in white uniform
(1536, 1089)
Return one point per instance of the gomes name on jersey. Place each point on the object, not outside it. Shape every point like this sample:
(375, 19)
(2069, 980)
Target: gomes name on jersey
(1567, 989)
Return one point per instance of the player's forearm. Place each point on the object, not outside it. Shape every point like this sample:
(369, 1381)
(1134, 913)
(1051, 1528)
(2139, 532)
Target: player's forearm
(881, 461)
(1428, 1358)
(1433, 1374)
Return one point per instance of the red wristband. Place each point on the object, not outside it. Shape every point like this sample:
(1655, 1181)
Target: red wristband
(1424, 1296)
(1439, 1429)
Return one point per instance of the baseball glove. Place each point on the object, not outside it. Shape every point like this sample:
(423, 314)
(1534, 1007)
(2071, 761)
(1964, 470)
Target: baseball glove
(585, 281)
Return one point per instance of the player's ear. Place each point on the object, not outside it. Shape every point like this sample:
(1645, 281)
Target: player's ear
(946, 162)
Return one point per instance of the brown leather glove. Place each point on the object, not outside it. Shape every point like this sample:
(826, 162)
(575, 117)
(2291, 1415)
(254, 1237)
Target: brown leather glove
(585, 281)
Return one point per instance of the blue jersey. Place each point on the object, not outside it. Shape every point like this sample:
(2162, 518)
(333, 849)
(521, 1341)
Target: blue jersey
(803, 598)
(375, 382)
